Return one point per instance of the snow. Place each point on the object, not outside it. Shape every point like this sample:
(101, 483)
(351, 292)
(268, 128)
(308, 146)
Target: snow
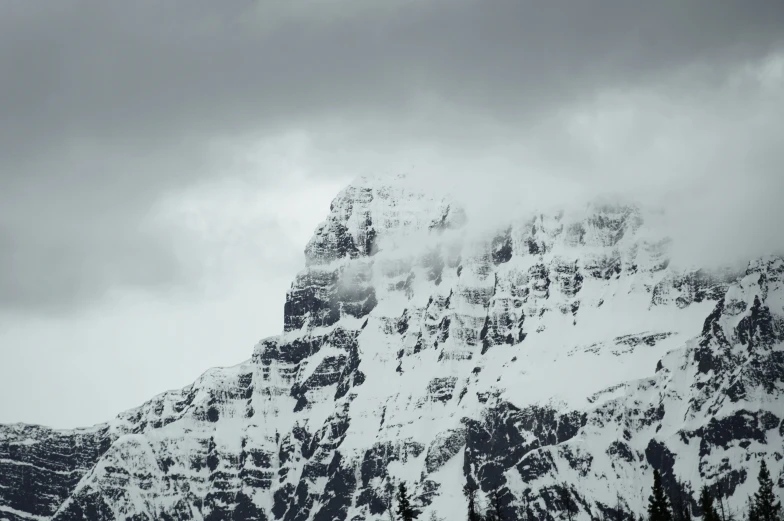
(19, 513)
(593, 351)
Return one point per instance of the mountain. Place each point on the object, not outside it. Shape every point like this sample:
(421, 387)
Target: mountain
(561, 356)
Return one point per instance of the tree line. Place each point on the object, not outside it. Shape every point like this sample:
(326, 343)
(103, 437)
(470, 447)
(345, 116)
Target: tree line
(762, 505)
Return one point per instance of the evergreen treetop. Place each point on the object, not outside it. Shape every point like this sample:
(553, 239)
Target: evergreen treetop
(764, 506)
(470, 494)
(404, 510)
(566, 501)
(706, 505)
(658, 504)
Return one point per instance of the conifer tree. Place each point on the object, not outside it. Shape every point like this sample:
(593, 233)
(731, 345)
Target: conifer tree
(658, 505)
(620, 513)
(470, 493)
(706, 504)
(752, 516)
(765, 505)
(566, 501)
(404, 510)
(681, 503)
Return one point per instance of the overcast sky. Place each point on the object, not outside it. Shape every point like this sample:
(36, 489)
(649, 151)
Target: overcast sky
(162, 164)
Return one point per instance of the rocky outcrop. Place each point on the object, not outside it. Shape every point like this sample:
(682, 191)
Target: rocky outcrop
(560, 354)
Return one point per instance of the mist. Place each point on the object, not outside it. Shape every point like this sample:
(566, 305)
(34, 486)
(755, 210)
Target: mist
(710, 162)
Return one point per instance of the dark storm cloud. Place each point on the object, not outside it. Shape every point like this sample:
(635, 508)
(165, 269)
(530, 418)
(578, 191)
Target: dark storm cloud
(107, 107)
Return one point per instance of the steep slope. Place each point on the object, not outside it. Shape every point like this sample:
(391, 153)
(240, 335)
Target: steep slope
(561, 351)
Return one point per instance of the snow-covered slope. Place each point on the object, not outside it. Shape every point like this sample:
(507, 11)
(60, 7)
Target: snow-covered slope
(560, 351)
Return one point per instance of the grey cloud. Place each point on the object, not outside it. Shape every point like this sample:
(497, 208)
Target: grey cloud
(108, 107)
(138, 70)
(73, 225)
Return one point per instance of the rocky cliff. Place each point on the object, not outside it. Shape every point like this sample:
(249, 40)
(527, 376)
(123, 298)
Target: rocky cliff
(559, 353)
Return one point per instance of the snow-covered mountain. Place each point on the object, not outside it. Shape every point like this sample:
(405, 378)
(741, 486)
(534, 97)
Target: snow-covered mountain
(562, 351)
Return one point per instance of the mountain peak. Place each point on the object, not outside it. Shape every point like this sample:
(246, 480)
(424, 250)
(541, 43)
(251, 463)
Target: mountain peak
(556, 349)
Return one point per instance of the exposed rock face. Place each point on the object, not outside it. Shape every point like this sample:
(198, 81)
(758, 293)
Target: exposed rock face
(562, 350)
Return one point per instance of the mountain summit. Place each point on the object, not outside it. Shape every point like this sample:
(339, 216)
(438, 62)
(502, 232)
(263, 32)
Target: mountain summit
(556, 361)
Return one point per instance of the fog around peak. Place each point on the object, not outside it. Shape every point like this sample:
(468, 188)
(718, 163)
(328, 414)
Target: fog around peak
(711, 164)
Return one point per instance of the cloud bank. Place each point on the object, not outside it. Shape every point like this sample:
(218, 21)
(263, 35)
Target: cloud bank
(109, 110)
